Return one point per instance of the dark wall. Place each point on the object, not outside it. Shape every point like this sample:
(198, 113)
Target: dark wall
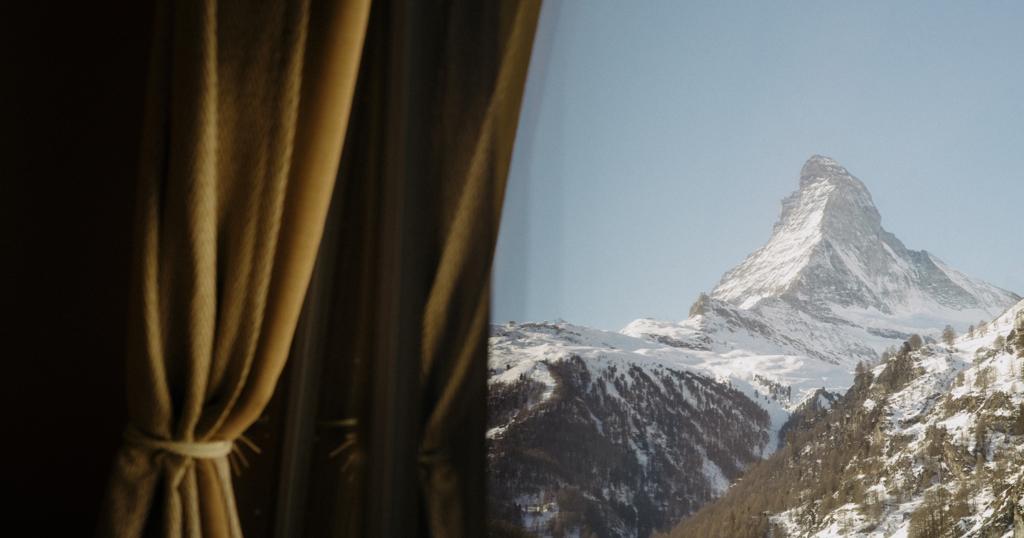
(72, 83)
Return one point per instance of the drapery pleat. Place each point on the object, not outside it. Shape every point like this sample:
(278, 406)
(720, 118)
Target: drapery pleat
(246, 114)
(403, 409)
(457, 312)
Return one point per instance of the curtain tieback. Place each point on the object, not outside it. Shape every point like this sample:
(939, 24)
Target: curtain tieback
(431, 457)
(188, 449)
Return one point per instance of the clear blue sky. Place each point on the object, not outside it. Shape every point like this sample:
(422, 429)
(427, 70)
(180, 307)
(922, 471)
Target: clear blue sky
(658, 138)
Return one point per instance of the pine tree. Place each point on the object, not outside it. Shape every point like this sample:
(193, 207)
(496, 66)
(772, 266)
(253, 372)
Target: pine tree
(980, 440)
(960, 507)
(1019, 336)
(984, 378)
(949, 335)
(929, 520)
(1018, 427)
(970, 332)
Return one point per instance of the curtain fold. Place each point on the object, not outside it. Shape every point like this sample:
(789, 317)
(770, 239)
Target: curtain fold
(433, 125)
(457, 311)
(246, 114)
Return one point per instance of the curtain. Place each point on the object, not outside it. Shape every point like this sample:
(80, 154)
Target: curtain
(402, 414)
(453, 368)
(247, 108)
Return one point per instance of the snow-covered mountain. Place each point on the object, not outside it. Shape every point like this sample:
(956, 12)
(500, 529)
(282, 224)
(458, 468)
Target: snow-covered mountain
(927, 444)
(830, 257)
(831, 286)
(598, 431)
(668, 413)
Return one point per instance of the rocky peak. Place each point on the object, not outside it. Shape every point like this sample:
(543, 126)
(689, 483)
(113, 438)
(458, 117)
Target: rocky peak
(828, 249)
(820, 167)
(831, 200)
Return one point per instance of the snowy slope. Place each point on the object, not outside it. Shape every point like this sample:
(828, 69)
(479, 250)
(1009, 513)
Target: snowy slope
(526, 350)
(927, 444)
(612, 435)
(973, 396)
(611, 422)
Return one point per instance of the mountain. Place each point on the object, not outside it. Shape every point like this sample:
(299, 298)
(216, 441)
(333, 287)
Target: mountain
(599, 432)
(831, 288)
(929, 443)
(829, 256)
(622, 434)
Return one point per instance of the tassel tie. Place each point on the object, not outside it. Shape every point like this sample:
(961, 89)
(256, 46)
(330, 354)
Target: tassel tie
(348, 449)
(201, 450)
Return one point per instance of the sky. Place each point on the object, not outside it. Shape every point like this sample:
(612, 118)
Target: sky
(657, 140)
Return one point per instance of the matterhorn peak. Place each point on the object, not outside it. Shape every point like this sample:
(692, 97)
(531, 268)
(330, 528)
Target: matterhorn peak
(820, 167)
(829, 188)
(828, 252)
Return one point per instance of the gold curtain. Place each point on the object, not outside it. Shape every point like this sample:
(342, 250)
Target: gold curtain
(403, 409)
(456, 315)
(245, 118)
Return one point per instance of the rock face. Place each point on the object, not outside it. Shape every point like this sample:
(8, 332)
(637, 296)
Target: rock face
(622, 434)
